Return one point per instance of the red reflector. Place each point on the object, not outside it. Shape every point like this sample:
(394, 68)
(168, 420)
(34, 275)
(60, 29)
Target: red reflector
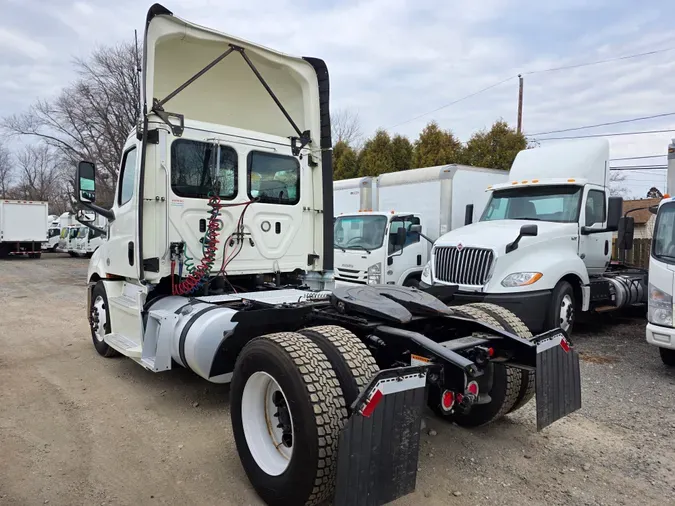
(565, 345)
(372, 404)
(448, 400)
(491, 352)
(472, 388)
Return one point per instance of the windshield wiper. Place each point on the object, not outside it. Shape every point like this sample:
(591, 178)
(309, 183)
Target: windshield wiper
(532, 219)
(362, 247)
(338, 246)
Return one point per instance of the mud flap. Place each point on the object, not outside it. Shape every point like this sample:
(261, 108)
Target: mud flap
(558, 380)
(379, 446)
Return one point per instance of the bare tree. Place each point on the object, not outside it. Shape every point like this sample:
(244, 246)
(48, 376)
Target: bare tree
(40, 176)
(6, 176)
(92, 117)
(346, 127)
(616, 186)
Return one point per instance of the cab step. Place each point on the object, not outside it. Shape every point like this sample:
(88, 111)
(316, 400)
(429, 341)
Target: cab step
(124, 345)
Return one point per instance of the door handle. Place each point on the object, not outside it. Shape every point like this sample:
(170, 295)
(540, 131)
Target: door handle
(130, 252)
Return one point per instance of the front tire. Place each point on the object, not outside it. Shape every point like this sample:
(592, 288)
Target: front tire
(294, 463)
(562, 312)
(99, 321)
(667, 356)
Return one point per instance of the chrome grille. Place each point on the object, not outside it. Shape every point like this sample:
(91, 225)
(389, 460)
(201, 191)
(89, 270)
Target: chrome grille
(468, 266)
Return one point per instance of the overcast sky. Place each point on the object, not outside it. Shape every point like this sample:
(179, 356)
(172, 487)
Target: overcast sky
(392, 60)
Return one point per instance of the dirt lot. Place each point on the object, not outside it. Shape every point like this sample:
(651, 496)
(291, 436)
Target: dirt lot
(78, 429)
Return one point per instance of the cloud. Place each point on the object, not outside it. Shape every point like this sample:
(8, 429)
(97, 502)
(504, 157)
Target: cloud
(392, 60)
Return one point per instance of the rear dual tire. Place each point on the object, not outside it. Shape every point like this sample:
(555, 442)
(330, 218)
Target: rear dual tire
(511, 388)
(318, 372)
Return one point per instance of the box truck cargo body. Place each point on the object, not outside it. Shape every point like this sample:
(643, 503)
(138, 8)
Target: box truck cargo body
(23, 227)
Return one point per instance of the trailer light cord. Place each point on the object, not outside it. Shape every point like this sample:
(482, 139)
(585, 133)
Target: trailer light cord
(198, 275)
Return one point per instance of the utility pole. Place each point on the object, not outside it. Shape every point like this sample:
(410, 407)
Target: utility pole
(520, 103)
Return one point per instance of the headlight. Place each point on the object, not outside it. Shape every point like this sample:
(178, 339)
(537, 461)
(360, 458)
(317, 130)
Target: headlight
(660, 307)
(521, 279)
(375, 274)
(426, 274)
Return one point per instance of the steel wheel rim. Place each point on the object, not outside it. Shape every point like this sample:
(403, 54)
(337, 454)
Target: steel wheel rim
(99, 318)
(566, 312)
(261, 416)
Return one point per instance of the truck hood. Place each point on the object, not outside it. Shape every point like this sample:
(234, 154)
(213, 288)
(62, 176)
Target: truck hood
(496, 235)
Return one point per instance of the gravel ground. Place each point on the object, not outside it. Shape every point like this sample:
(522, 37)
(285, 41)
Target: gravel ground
(77, 429)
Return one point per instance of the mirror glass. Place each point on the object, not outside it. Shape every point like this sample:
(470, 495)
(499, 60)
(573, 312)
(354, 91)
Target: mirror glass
(86, 182)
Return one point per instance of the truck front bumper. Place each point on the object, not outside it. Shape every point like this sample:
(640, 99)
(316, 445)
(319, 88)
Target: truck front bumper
(531, 307)
(663, 337)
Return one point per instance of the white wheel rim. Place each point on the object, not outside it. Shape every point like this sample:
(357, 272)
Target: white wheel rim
(263, 437)
(566, 312)
(99, 327)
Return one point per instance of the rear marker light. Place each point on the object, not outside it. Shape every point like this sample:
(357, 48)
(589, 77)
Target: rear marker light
(491, 352)
(372, 403)
(565, 345)
(472, 388)
(447, 400)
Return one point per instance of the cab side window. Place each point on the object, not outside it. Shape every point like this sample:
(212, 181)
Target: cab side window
(406, 222)
(127, 177)
(595, 207)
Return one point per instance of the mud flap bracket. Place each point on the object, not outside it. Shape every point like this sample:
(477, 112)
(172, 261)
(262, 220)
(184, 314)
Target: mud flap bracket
(558, 379)
(379, 446)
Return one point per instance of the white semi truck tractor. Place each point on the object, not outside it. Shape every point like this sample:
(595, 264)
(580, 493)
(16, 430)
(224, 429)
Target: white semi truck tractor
(542, 247)
(219, 259)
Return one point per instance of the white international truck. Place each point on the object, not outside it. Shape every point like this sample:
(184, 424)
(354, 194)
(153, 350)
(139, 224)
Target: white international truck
(66, 223)
(53, 234)
(542, 247)
(23, 227)
(219, 259)
(369, 212)
(90, 237)
(660, 326)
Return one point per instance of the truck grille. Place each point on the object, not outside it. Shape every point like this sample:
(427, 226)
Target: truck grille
(351, 275)
(466, 266)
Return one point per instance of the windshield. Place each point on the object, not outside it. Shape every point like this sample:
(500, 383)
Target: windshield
(663, 244)
(359, 232)
(73, 233)
(82, 233)
(546, 203)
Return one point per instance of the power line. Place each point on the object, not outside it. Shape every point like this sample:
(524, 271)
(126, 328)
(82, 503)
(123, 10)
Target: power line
(605, 124)
(614, 134)
(453, 102)
(532, 72)
(598, 62)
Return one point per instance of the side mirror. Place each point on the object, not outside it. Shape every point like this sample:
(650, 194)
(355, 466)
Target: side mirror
(416, 229)
(468, 214)
(525, 231)
(529, 230)
(85, 182)
(626, 233)
(654, 209)
(85, 217)
(401, 236)
(614, 211)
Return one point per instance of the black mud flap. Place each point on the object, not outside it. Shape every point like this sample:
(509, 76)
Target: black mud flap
(379, 446)
(558, 380)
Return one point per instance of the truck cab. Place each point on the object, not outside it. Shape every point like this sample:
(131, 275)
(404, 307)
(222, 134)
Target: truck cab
(88, 240)
(374, 247)
(542, 246)
(660, 328)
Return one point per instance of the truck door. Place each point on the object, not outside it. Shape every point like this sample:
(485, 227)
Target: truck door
(121, 251)
(402, 262)
(594, 249)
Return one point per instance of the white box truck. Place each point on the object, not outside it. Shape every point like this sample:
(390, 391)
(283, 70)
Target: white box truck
(23, 227)
(543, 244)
(369, 212)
